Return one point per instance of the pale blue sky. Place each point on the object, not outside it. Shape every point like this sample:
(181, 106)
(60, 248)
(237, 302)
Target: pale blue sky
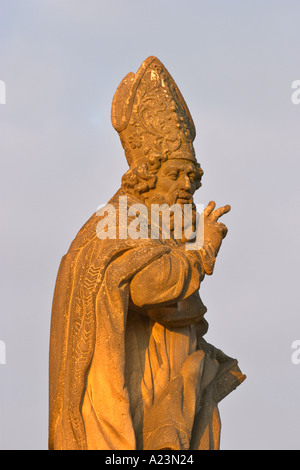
(234, 62)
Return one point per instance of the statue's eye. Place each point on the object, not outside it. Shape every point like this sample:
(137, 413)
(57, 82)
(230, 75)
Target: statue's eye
(194, 176)
(173, 175)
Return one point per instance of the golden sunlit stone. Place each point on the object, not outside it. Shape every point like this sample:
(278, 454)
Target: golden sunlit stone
(129, 367)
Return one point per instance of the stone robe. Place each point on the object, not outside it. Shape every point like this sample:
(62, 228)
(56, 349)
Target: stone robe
(129, 368)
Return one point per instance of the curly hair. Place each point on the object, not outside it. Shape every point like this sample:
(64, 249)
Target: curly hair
(141, 179)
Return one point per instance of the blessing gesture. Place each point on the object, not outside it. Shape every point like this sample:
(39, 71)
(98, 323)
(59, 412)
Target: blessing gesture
(214, 232)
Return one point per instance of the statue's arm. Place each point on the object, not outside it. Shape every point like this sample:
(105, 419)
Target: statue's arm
(167, 280)
(178, 274)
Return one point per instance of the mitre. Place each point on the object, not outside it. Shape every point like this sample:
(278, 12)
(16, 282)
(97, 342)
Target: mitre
(151, 116)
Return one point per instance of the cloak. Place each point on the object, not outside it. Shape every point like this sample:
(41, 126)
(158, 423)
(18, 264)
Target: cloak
(92, 398)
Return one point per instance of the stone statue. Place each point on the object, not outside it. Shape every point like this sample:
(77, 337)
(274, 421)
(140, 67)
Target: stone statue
(129, 367)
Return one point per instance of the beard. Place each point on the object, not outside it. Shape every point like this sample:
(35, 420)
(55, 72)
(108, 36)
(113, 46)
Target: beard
(181, 199)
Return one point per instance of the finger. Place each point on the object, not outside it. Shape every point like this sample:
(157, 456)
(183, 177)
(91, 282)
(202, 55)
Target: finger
(209, 208)
(219, 212)
(223, 229)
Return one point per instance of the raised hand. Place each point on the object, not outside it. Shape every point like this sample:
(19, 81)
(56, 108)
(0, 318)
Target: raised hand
(214, 232)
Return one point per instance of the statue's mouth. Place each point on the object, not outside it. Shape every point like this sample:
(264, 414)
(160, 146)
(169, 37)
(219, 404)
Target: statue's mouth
(184, 198)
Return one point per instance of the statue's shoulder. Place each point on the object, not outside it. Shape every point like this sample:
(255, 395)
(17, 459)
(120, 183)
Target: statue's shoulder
(85, 235)
(88, 232)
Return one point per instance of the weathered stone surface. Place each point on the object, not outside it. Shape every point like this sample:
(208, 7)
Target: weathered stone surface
(129, 367)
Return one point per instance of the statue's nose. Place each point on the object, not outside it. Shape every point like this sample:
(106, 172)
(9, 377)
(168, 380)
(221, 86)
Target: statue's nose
(186, 184)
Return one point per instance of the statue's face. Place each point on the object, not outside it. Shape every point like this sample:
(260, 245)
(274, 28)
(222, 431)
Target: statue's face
(177, 180)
